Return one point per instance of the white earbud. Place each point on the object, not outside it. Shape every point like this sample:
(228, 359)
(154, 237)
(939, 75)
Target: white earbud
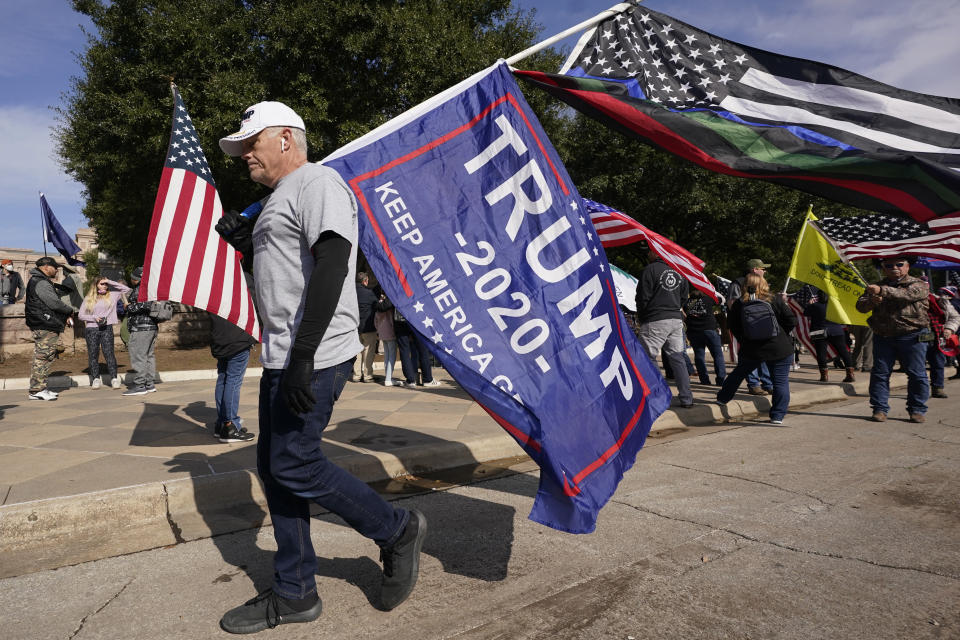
(283, 144)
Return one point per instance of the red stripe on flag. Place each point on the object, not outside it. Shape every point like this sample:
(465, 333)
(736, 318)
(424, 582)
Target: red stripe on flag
(219, 268)
(154, 225)
(172, 241)
(200, 242)
(237, 283)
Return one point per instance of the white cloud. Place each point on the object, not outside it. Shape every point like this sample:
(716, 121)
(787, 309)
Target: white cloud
(27, 167)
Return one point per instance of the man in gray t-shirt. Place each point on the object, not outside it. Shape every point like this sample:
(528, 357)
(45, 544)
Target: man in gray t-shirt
(304, 248)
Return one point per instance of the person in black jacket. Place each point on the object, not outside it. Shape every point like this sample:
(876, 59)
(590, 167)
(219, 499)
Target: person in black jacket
(47, 316)
(230, 345)
(776, 351)
(660, 294)
(825, 333)
(366, 301)
(703, 335)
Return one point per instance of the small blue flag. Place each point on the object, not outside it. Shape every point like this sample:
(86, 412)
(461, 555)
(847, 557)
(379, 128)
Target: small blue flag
(478, 236)
(54, 234)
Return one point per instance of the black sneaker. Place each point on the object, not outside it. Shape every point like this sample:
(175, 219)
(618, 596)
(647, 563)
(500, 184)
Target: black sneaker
(401, 562)
(230, 433)
(269, 610)
(137, 390)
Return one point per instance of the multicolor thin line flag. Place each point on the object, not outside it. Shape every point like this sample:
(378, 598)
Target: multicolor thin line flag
(186, 260)
(750, 113)
(615, 228)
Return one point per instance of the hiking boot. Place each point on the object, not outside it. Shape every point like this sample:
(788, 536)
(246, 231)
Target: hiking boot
(850, 377)
(824, 375)
(96, 384)
(43, 394)
(917, 417)
(268, 610)
(879, 416)
(136, 390)
(230, 433)
(938, 392)
(756, 391)
(401, 562)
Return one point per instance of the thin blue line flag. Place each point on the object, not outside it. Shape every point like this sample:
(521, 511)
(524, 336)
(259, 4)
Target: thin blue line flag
(55, 234)
(479, 238)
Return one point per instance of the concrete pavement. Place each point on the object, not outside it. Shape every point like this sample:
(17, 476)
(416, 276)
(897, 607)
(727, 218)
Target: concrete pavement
(95, 474)
(827, 527)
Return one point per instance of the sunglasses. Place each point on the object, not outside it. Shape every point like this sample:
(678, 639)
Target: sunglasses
(891, 265)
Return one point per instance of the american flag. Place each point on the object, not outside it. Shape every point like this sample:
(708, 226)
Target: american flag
(615, 229)
(796, 302)
(879, 236)
(186, 260)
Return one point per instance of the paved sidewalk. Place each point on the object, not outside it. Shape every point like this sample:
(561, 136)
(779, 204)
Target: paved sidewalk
(95, 474)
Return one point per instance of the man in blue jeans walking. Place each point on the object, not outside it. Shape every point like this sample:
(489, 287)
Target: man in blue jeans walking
(901, 330)
(304, 246)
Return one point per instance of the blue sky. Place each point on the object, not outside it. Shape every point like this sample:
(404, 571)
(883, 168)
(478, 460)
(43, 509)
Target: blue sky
(39, 40)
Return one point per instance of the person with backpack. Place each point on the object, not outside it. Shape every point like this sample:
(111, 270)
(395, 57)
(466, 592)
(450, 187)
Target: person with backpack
(758, 382)
(762, 322)
(143, 339)
(824, 334)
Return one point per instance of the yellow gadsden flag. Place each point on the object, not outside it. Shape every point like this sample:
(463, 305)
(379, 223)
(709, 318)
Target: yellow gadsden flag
(816, 262)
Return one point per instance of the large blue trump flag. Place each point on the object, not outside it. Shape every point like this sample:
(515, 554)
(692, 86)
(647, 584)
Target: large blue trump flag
(476, 233)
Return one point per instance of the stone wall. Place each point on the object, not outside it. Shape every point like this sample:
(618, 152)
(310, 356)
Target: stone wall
(187, 328)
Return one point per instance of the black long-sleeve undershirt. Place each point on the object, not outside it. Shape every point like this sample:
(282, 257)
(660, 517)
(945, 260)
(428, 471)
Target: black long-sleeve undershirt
(331, 254)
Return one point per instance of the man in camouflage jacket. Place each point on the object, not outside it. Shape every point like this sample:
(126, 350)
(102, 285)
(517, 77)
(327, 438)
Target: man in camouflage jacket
(901, 330)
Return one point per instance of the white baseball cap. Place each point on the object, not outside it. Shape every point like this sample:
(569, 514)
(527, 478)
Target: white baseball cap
(257, 118)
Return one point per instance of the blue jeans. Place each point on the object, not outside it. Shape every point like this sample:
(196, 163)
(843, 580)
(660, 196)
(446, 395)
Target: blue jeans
(229, 378)
(295, 471)
(408, 360)
(700, 341)
(780, 378)
(389, 358)
(912, 355)
(760, 377)
(937, 362)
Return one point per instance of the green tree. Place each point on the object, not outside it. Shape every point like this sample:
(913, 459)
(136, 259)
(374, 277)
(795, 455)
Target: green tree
(345, 67)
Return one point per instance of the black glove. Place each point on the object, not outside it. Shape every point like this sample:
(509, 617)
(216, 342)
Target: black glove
(296, 386)
(237, 231)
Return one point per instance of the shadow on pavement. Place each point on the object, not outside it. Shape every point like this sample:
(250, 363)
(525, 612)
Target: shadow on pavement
(471, 552)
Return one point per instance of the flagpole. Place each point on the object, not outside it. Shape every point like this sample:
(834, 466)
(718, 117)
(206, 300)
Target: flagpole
(796, 248)
(600, 17)
(43, 225)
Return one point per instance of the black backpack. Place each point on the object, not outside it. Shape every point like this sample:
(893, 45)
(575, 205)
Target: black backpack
(759, 320)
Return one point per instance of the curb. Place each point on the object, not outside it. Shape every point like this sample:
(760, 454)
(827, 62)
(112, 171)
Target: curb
(66, 382)
(55, 532)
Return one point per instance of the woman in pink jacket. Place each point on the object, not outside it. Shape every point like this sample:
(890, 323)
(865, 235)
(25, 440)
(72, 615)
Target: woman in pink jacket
(99, 312)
